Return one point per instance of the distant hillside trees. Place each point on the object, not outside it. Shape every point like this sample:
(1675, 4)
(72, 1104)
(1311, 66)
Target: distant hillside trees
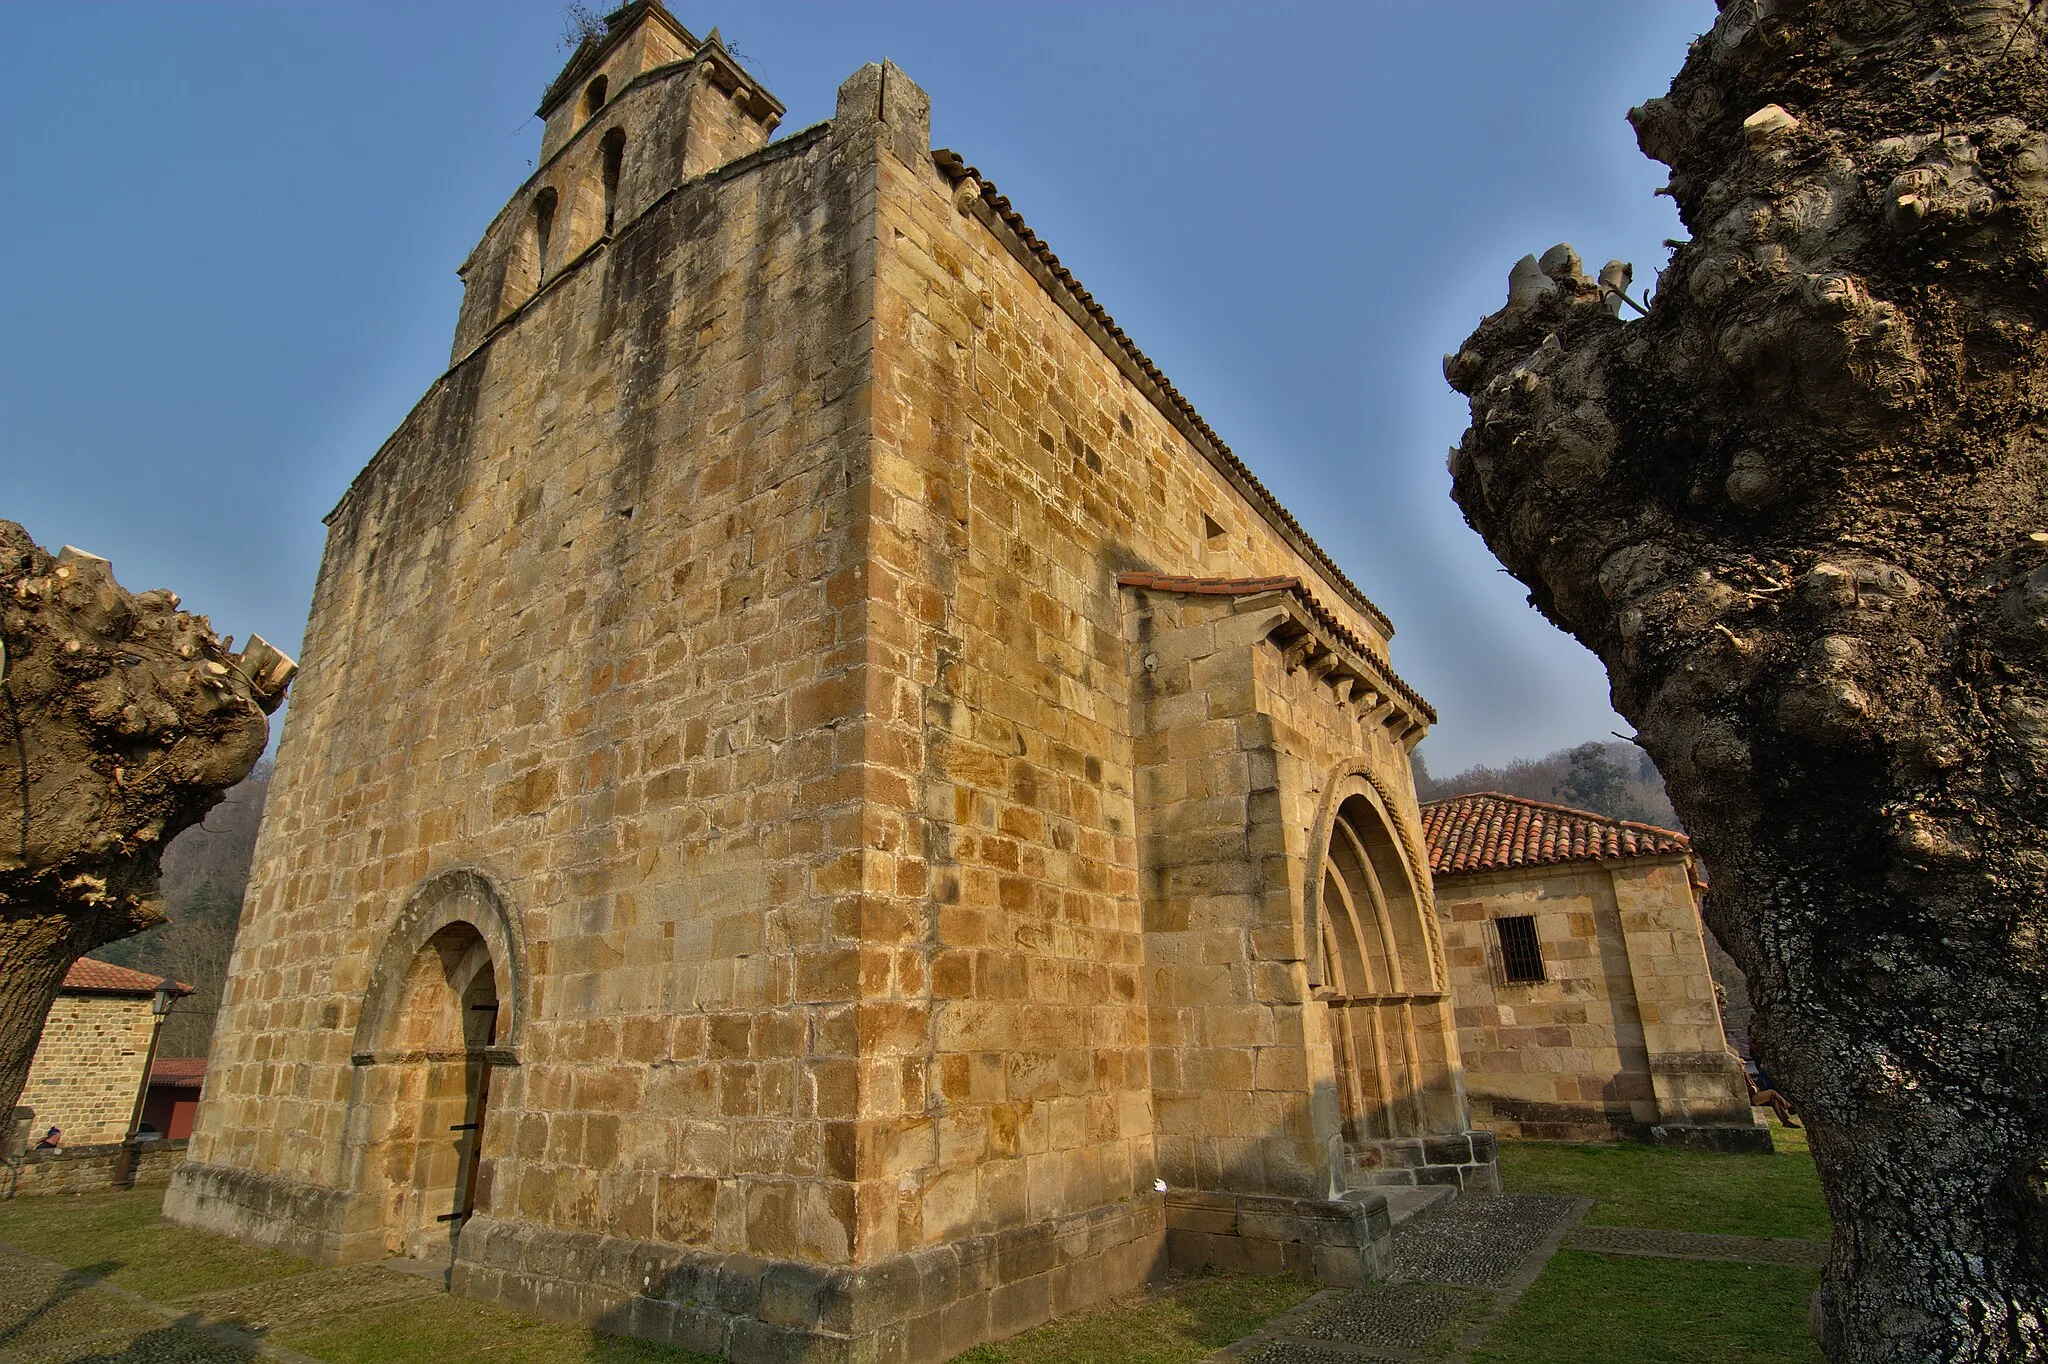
(205, 871)
(1610, 777)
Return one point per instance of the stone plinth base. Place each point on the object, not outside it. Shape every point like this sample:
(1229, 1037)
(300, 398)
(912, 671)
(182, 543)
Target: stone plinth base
(1754, 1139)
(1527, 1120)
(1345, 1242)
(1467, 1161)
(928, 1305)
(322, 1224)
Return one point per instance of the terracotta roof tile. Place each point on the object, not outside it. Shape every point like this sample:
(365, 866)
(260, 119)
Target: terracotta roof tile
(1488, 831)
(88, 976)
(178, 1070)
(955, 168)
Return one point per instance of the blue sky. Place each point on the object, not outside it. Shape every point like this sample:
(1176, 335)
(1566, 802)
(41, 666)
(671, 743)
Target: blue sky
(229, 232)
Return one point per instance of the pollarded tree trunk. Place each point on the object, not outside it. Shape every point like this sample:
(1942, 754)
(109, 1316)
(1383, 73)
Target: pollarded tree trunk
(122, 721)
(1800, 509)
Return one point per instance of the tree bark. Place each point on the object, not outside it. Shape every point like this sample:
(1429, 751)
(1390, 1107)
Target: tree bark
(1800, 510)
(122, 722)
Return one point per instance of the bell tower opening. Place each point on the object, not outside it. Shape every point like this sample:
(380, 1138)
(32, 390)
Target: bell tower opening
(614, 159)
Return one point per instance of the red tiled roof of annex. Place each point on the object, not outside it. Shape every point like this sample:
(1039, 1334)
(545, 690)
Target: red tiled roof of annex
(101, 977)
(1487, 831)
(179, 1071)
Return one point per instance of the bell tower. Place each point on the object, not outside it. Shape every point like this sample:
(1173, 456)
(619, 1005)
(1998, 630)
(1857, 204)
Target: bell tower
(634, 112)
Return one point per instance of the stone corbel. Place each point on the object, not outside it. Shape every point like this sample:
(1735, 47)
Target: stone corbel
(1302, 651)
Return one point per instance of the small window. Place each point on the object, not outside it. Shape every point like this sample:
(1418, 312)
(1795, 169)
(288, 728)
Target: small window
(1520, 953)
(593, 97)
(1213, 534)
(614, 148)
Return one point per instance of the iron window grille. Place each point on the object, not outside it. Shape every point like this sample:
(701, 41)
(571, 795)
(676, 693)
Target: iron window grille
(1520, 954)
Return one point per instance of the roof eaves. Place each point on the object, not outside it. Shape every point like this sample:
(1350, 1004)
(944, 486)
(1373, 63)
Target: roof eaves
(91, 976)
(1149, 378)
(1294, 587)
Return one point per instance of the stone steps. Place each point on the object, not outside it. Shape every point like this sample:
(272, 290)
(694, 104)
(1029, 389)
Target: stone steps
(1407, 1203)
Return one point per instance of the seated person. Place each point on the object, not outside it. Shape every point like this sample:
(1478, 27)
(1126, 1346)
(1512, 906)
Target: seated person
(1764, 1094)
(53, 1140)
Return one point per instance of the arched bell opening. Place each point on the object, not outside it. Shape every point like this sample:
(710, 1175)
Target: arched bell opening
(1389, 1013)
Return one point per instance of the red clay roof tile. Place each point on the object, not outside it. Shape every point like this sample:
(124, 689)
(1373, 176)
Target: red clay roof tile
(182, 1071)
(1488, 831)
(88, 976)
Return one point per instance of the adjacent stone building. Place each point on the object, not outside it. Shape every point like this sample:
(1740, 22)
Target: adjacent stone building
(94, 1050)
(819, 786)
(1585, 1004)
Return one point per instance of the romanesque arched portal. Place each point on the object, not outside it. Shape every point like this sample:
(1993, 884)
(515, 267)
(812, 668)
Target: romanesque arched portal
(438, 1015)
(1378, 975)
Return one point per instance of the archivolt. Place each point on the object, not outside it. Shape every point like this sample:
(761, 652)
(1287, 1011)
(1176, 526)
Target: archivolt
(1343, 784)
(457, 895)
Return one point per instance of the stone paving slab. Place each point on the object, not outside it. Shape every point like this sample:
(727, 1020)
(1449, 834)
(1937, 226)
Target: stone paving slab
(1478, 1241)
(69, 1313)
(1692, 1245)
(277, 1303)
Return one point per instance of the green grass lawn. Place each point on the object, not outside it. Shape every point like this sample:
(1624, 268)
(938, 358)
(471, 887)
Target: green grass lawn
(447, 1330)
(1663, 1187)
(122, 1238)
(1188, 1321)
(1600, 1309)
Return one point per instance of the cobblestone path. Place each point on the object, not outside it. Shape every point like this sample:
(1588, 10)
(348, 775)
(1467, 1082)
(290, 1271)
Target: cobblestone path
(1457, 1270)
(52, 1315)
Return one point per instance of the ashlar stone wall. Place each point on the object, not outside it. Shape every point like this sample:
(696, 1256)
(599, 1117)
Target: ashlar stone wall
(1019, 468)
(591, 624)
(88, 1067)
(1623, 1036)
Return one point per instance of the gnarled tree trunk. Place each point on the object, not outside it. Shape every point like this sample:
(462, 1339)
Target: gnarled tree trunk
(122, 721)
(1800, 509)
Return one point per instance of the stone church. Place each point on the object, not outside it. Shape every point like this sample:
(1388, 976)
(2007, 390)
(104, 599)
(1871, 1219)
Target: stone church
(826, 813)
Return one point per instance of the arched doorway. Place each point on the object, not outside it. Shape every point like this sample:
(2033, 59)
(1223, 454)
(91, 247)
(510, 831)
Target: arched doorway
(1379, 979)
(448, 1021)
(440, 1015)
